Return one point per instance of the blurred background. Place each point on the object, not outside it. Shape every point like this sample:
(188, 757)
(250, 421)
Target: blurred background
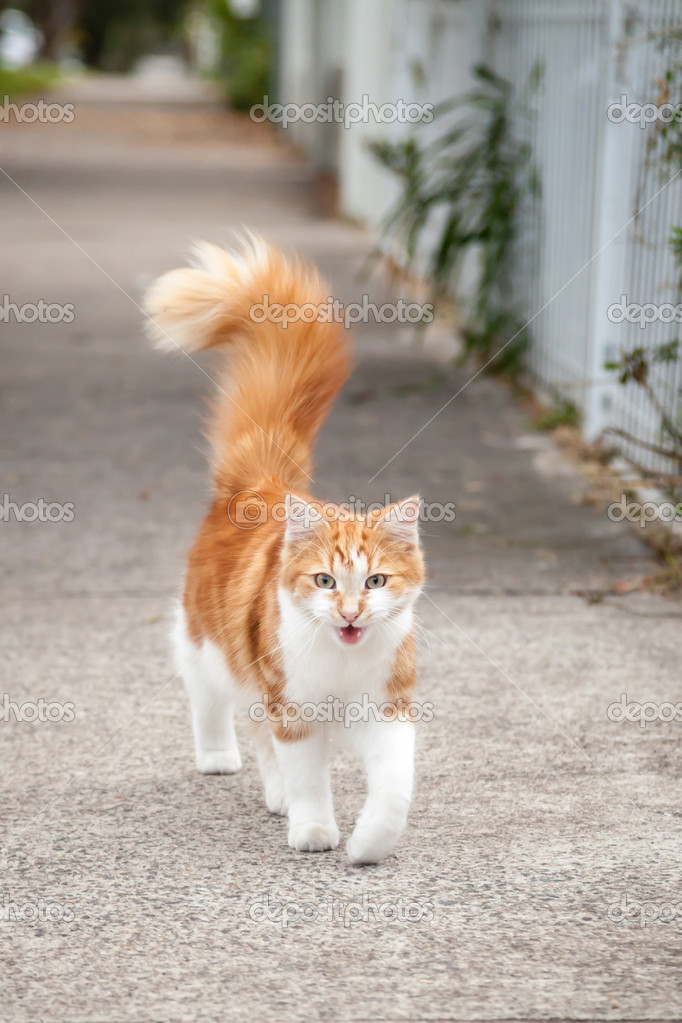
(527, 200)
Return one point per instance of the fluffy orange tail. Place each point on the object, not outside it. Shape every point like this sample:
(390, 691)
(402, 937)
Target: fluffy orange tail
(279, 384)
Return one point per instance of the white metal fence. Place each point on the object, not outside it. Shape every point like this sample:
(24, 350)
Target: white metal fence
(555, 277)
(602, 226)
(655, 196)
(600, 230)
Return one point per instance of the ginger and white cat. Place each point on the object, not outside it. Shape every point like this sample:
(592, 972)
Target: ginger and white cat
(281, 608)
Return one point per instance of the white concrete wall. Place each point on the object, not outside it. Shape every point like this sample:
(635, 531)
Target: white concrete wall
(297, 58)
(415, 50)
(388, 50)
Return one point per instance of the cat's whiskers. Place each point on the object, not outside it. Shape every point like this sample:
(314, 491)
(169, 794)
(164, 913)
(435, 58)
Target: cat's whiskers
(420, 625)
(391, 629)
(423, 635)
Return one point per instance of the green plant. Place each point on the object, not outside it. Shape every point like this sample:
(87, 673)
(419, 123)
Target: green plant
(663, 152)
(635, 366)
(113, 34)
(562, 414)
(26, 81)
(246, 56)
(467, 184)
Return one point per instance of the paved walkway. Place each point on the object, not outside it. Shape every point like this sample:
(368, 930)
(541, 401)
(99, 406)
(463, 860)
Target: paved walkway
(135, 890)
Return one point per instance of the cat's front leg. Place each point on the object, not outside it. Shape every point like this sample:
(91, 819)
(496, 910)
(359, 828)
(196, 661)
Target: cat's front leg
(387, 748)
(304, 767)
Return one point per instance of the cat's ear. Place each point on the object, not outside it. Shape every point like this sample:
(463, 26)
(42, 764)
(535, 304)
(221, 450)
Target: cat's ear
(303, 520)
(401, 520)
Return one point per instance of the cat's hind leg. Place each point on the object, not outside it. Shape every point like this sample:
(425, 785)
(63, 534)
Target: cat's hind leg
(212, 695)
(269, 768)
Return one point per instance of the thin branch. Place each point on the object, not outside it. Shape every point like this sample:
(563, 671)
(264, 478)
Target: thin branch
(666, 452)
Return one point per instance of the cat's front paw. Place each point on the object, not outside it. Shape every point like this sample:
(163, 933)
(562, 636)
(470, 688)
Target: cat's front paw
(313, 837)
(365, 846)
(218, 761)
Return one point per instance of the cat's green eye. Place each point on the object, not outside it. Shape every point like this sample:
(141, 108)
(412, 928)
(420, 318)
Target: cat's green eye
(324, 581)
(375, 581)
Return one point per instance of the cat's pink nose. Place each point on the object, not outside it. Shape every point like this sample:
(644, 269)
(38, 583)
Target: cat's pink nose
(350, 616)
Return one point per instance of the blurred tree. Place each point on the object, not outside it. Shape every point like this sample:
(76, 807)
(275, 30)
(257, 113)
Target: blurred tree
(53, 18)
(112, 34)
(246, 51)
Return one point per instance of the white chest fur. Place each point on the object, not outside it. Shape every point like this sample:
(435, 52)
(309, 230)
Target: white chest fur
(317, 666)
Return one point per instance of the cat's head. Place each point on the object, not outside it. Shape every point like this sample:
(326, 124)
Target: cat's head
(353, 575)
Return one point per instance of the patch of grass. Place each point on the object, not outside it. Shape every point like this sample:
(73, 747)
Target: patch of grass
(563, 414)
(668, 581)
(27, 81)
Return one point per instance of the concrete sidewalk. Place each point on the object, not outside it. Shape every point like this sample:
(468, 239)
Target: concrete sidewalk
(539, 877)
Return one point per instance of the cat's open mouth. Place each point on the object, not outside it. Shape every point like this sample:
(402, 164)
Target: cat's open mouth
(350, 634)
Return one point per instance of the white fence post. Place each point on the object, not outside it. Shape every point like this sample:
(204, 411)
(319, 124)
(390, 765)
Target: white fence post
(609, 267)
(297, 57)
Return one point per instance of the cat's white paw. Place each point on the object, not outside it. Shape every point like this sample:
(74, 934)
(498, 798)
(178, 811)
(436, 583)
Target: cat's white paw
(365, 846)
(274, 798)
(313, 837)
(219, 761)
